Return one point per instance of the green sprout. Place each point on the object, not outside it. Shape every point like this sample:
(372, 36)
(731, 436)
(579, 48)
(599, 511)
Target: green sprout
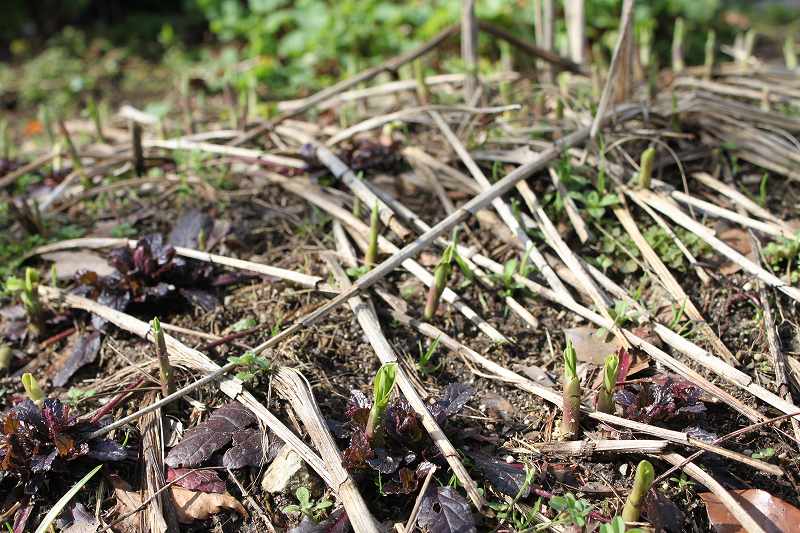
(5, 357)
(32, 388)
(254, 364)
(711, 44)
(677, 45)
(440, 276)
(605, 396)
(307, 507)
(165, 368)
(425, 362)
(646, 167)
(28, 290)
(571, 510)
(641, 484)
(571, 396)
(789, 53)
(382, 387)
(374, 230)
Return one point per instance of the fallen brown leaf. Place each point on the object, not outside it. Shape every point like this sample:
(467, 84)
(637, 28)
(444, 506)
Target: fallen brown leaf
(69, 263)
(773, 514)
(189, 505)
(591, 347)
(739, 240)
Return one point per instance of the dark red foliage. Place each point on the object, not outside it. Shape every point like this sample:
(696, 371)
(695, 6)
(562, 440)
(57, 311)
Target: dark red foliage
(201, 480)
(35, 441)
(231, 422)
(365, 154)
(661, 398)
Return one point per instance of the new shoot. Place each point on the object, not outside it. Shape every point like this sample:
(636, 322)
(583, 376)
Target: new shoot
(440, 276)
(571, 399)
(32, 388)
(646, 168)
(641, 484)
(382, 387)
(165, 368)
(28, 290)
(605, 396)
(374, 229)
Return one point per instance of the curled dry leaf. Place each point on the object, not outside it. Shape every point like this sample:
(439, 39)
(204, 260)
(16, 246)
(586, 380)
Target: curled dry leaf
(83, 352)
(773, 514)
(201, 480)
(189, 505)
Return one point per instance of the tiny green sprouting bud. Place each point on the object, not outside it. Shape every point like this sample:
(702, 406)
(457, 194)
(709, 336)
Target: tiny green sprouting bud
(571, 395)
(646, 167)
(32, 388)
(382, 387)
(641, 484)
(677, 46)
(440, 276)
(5, 357)
(423, 93)
(374, 229)
(711, 44)
(166, 372)
(789, 52)
(605, 396)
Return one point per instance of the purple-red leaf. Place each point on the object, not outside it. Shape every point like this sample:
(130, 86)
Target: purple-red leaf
(187, 229)
(443, 510)
(508, 478)
(661, 398)
(355, 456)
(453, 399)
(198, 444)
(84, 352)
(246, 450)
(197, 480)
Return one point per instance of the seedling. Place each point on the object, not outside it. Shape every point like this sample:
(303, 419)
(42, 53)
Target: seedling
(28, 290)
(374, 229)
(617, 525)
(440, 277)
(571, 510)
(32, 388)
(382, 387)
(165, 369)
(5, 357)
(425, 362)
(254, 365)
(711, 44)
(641, 484)
(605, 396)
(646, 167)
(308, 507)
(571, 397)
(75, 395)
(789, 52)
(677, 46)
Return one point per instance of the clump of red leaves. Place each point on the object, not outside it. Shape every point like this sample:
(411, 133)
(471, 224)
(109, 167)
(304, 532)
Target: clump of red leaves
(662, 397)
(148, 273)
(400, 449)
(37, 442)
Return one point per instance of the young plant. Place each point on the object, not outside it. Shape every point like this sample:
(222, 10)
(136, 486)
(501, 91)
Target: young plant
(253, 363)
(382, 387)
(425, 362)
(32, 388)
(440, 277)
(677, 46)
(5, 357)
(605, 396)
(571, 396)
(617, 525)
(165, 369)
(789, 52)
(641, 484)
(646, 167)
(28, 290)
(711, 44)
(374, 229)
(571, 510)
(308, 507)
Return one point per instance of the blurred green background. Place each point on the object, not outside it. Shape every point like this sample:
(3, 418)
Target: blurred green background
(58, 51)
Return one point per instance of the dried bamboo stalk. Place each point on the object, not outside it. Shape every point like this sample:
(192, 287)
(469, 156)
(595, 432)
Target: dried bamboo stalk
(11, 177)
(500, 206)
(503, 374)
(670, 283)
(469, 47)
(390, 65)
(232, 151)
(617, 64)
(304, 280)
(315, 196)
(191, 358)
(370, 324)
(706, 234)
(714, 210)
(576, 28)
(738, 198)
(543, 52)
(701, 476)
(160, 514)
(293, 387)
(578, 224)
(585, 448)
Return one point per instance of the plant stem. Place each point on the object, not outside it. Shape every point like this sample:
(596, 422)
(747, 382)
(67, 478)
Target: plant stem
(677, 46)
(646, 168)
(435, 291)
(374, 229)
(641, 484)
(165, 369)
(571, 398)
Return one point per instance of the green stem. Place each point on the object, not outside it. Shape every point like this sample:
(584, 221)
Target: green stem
(435, 291)
(166, 372)
(646, 168)
(374, 229)
(641, 484)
